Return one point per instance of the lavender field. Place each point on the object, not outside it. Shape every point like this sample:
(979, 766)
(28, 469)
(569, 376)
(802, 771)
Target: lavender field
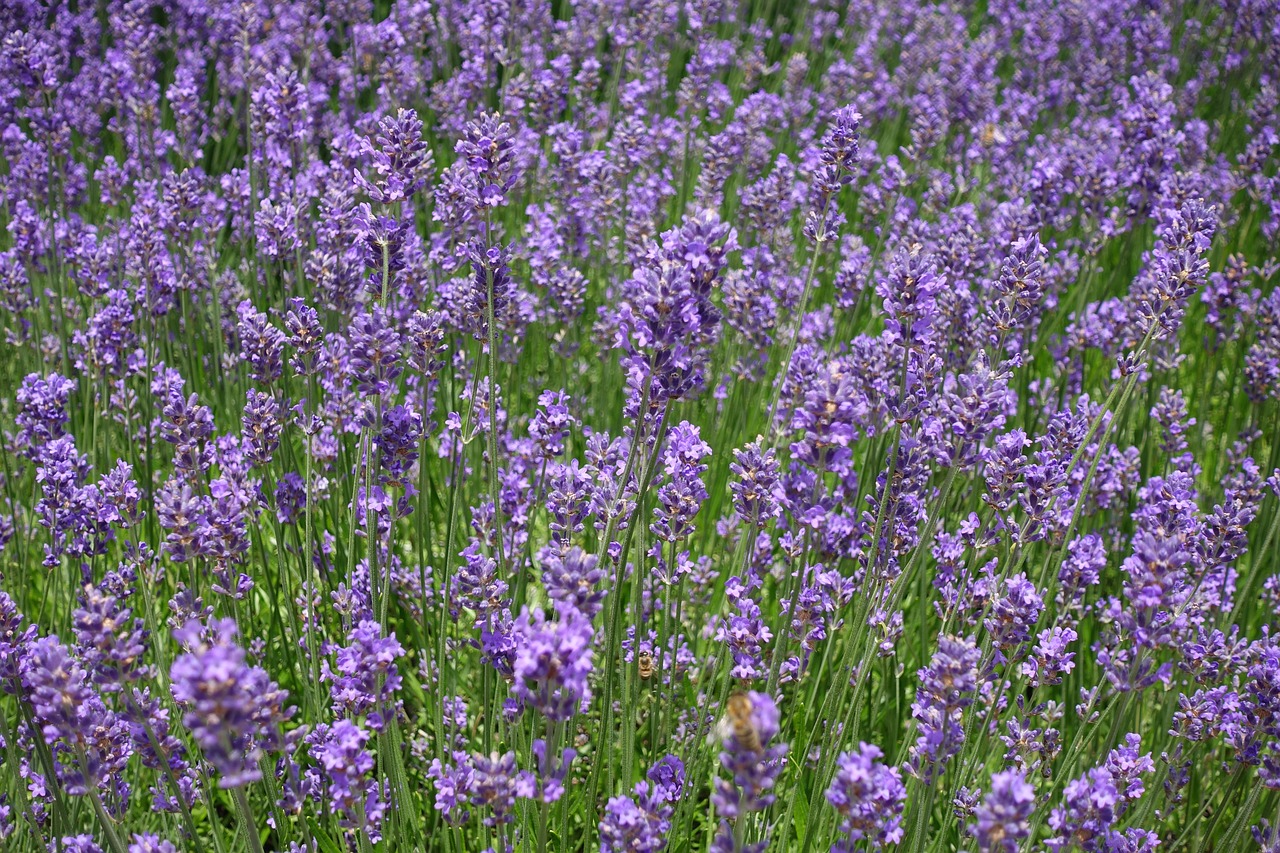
(639, 425)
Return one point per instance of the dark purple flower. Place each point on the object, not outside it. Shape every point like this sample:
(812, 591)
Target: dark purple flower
(426, 342)
(1050, 659)
(746, 633)
(478, 585)
(910, 293)
(667, 776)
(233, 710)
(666, 318)
(551, 423)
(78, 844)
(1019, 289)
(839, 158)
(161, 751)
(947, 687)
(490, 288)
(495, 784)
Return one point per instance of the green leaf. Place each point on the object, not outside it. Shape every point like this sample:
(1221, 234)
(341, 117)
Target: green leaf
(327, 844)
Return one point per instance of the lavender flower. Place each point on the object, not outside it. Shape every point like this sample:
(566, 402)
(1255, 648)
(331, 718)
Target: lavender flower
(641, 822)
(495, 784)
(754, 490)
(869, 797)
(111, 641)
(487, 151)
(553, 661)
(89, 743)
(572, 579)
(263, 344)
(233, 710)
(42, 414)
(1003, 815)
(946, 690)
(268, 362)
(682, 495)
(365, 679)
(400, 159)
(1096, 801)
(340, 751)
(149, 843)
(748, 756)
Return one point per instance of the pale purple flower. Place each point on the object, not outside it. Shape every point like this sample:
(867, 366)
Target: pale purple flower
(869, 797)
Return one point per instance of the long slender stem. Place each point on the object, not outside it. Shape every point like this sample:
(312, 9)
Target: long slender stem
(246, 820)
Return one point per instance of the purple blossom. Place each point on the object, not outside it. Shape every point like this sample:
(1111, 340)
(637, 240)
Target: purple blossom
(110, 639)
(340, 752)
(42, 414)
(642, 822)
(89, 743)
(755, 486)
(553, 661)
(364, 680)
(1093, 803)
(1003, 817)
(149, 843)
(400, 160)
(573, 579)
(487, 151)
(233, 710)
(869, 798)
(263, 344)
(946, 689)
(680, 498)
(748, 756)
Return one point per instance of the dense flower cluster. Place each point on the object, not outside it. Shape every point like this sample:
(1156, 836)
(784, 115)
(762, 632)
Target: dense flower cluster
(639, 426)
(232, 709)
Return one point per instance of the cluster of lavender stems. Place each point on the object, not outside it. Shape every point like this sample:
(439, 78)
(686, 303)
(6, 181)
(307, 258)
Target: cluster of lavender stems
(639, 426)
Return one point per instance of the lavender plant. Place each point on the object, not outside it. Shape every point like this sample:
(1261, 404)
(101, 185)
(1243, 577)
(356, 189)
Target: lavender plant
(639, 426)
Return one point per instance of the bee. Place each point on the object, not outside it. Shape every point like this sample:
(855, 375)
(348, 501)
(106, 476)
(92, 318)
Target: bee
(737, 722)
(992, 134)
(645, 662)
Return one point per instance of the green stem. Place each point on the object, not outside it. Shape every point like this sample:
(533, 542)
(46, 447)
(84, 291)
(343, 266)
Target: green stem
(246, 820)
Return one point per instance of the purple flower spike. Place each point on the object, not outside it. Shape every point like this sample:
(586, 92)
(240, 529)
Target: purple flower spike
(233, 710)
(553, 661)
(1003, 816)
(365, 680)
(870, 799)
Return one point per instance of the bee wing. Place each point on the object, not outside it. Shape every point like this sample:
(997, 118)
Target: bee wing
(721, 731)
